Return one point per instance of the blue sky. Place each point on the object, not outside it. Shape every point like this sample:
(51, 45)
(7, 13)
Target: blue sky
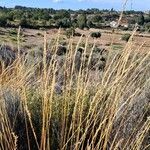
(78, 4)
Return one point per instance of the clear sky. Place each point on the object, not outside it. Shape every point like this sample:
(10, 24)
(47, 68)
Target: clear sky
(78, 4)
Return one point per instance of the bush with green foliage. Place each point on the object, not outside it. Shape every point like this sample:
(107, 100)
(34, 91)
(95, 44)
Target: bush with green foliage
(78, 34)
(61, 14)
(3, 20)
(23, 22)
(141, 20)
(82, 21)
(147, 27)
(39, 34)
(97, 18)
(95, 34)
(126, 37)
(70, 32)
(13, 32)
(90, 24)
(63, 23)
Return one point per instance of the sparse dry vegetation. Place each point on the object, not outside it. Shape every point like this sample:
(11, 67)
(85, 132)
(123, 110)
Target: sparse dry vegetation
(75, 98)
(80, 89)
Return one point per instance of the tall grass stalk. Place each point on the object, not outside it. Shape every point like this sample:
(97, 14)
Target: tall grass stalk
(87, 114)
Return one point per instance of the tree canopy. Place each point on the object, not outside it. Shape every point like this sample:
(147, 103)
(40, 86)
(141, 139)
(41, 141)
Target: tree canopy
(38, 18)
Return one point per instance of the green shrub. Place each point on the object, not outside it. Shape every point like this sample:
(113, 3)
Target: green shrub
(142, 29)
(39, 34)
(77, 34)
(42, 28)
(3, 20)
(14, 39)
(126, 37)
(95, 34)
(97, 49)
(147, 27)
(82, 21)
(70, 32)
(13, 32)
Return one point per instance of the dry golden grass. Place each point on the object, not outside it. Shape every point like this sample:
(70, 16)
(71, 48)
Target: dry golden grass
(93, 112)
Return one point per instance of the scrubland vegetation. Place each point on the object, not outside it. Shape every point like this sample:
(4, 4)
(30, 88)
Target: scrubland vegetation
(72, 91)
(74, 97)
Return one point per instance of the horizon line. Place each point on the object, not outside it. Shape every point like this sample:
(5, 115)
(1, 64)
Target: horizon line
(75, 9)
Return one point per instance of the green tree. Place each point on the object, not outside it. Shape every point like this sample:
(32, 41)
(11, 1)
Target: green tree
(90, 24)
(147, 19)
(63, 23)
(82, 20)
(17, 14)
(3, 20)
(147, 26)
(10, 16)
(141, 20)
(62, 14)
(74, 22)
(97, 18)
(23, 22)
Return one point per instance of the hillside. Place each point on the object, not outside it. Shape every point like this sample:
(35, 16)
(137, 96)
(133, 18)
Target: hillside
(90, 18)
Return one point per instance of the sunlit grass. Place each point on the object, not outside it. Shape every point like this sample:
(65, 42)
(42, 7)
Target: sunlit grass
(95, 109)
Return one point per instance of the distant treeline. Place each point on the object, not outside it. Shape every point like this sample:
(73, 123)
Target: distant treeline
(50, 18)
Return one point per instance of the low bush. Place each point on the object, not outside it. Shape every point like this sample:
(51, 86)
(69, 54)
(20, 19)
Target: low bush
(95, 34)
(61, 50)
(77, 34)
(39, 34)
(70, 32)
(13, 32)
(126, 37)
